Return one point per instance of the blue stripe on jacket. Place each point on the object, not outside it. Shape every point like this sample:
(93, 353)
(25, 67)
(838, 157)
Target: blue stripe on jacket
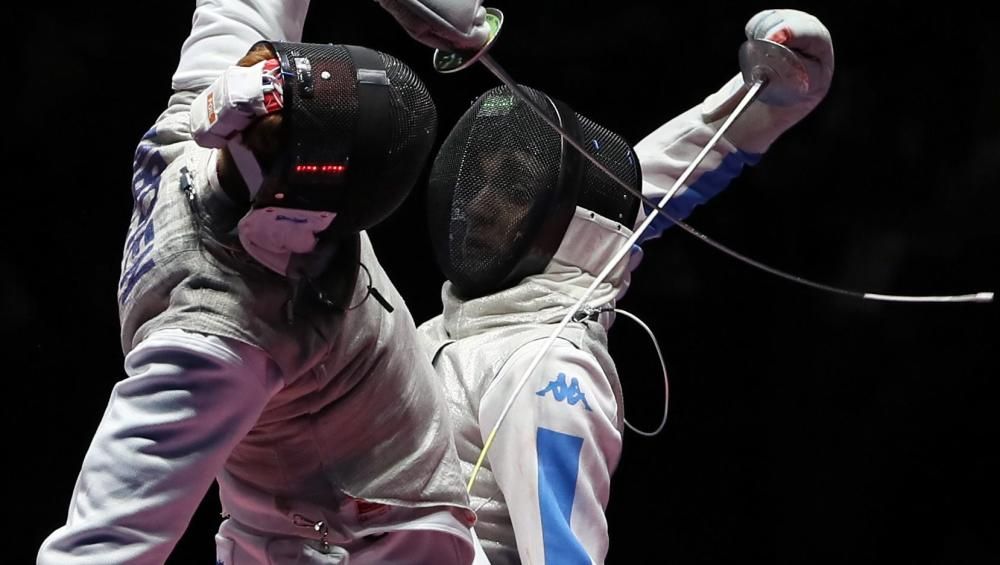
(558, 466)
(708, 186)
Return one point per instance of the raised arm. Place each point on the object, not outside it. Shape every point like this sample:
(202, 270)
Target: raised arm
(667, 152)
(223, 30)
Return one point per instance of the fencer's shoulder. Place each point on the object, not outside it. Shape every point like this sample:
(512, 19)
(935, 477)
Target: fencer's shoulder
(561, 357)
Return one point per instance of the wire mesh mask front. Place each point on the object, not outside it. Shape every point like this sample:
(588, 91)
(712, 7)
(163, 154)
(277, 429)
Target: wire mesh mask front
(502, 191)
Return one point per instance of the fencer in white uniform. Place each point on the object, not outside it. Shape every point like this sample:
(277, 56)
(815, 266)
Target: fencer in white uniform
(520, 238)
(265, 346)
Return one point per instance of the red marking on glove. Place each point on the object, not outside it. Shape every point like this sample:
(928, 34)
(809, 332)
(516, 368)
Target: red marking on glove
(273, 101)
(782, 36)
(210, 101)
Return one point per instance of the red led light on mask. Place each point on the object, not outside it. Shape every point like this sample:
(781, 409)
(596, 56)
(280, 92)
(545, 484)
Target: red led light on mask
(321, 169)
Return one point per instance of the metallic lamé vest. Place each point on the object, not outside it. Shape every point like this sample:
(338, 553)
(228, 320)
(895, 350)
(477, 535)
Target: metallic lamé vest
(360, 415)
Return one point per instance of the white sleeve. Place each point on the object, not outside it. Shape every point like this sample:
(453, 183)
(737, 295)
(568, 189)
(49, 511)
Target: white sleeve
(555, 452)
(669, 150)
(222, 31)
(167, 430)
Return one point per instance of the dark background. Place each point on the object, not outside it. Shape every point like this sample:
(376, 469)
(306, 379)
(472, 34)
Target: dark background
(805, 427)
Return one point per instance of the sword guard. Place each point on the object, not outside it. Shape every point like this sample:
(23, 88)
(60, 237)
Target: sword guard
(779, 68)
(453, 62)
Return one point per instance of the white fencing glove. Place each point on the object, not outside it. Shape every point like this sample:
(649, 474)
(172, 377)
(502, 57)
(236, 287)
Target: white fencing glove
(448, 25)
(761, 123)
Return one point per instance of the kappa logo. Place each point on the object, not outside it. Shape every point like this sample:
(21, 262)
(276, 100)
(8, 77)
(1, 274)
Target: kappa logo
(569, 392)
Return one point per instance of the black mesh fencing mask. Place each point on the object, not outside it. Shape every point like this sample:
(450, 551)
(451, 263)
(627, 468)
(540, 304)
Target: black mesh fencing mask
(359, 126)
(504, 186)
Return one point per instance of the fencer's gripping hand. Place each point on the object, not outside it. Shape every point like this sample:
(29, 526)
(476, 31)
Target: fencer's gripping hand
(449, 25)
(763, 123)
